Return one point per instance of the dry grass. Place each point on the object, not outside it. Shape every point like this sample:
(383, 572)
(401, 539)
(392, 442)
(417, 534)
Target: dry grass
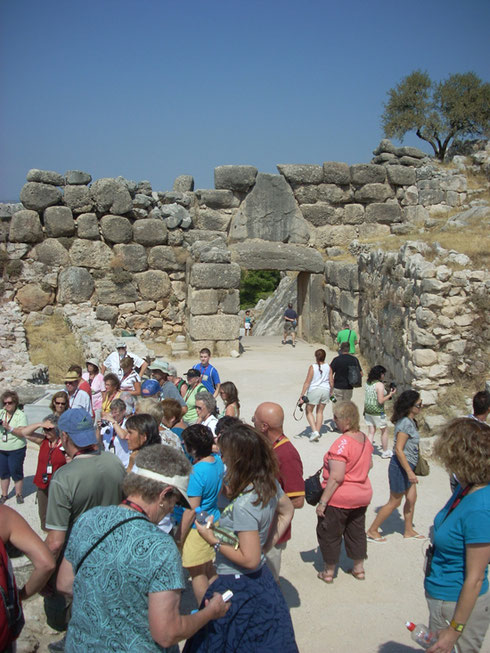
(345, 257)
(53, 344)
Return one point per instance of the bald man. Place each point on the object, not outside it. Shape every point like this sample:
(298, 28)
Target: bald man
(269, 420)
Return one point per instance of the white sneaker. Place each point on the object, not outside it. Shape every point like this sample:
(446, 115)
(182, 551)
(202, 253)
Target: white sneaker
(387, 454)
(315, 436)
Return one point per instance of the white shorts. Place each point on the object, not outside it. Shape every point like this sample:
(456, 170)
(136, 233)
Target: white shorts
(247, 326)
(378, 421)
(320, 395)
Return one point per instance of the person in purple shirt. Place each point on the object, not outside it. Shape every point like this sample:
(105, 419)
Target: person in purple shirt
(209, 374)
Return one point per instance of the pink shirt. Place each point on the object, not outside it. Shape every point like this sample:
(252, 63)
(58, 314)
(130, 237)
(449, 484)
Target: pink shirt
(355, 490)
(97, 387)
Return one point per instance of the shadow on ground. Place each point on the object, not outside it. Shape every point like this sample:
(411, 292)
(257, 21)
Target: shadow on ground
(396, 647)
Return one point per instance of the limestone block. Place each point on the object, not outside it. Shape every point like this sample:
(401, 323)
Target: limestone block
(153, 284)
(217, 199)
(137, 321)
(341, 274)
(307, 194)
(25, 227)
(335, 172)
(203, 302)
(88, 226)
(33, 298)
(78, 198)
(422, 338)
(167, 258)
(354, 214)
(320, 214)
(456, 347)
(216, 275)
(203, 234)
(374, 230)
(58, 221)
(301, 174)
(260, 255)
(145, 306)
(109, 292)
(429, 197)
(127, 307)
(417, 215)
(38, 196)
(116, 229)
(75, 285)
(383, 213)
(401, 175)
(385, 145)
(383, 157)
(367, 173)
(214, 327)
(90, 254)
(424, 357)
(111, 195)
(429, 300)
(429, 398)
(77, 177)
(455, 183)
(426, 317)
(174, 214)
(332, 296)
(107, 313)
(333, 194)
(213, 220)
(213, 254)
(443, 273)
(141, 201)
(155, 323)
(150, 232)
(184, 183)
(464, 320)
(374, 193)
(433, 286)
(335, 235)
(229, 301)
(238, 178)
(45, 177)
(413, 152)
(132, 256)
(51, 252)
(410, 161)
(437, 371)
(349, 304)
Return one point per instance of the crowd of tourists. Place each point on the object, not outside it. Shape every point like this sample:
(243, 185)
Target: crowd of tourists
(146, 479)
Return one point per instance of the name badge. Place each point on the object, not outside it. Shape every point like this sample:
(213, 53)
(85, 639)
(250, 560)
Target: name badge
(49, 469)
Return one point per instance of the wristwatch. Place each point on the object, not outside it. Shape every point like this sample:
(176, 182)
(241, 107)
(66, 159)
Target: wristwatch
(457, 627)
(217, 545)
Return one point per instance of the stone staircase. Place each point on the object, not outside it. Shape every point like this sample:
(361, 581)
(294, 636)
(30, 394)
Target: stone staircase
(179, 347)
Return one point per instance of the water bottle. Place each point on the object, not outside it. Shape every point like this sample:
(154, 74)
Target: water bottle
(333, 399)
(422, 635)
(226, 535)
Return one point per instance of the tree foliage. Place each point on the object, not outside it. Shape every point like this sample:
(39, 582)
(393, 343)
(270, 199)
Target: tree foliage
(438, 111)
(257, 284)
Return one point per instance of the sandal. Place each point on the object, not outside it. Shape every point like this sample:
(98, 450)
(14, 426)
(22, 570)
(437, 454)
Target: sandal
(326, 578)
(3, 499)
(358, 575)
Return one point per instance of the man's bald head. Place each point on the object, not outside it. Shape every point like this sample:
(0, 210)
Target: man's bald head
(269, 419)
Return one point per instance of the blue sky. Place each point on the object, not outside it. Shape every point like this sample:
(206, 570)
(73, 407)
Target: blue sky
(151, 89)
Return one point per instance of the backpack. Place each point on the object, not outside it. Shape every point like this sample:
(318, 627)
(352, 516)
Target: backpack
(354, 376)
(11, 614)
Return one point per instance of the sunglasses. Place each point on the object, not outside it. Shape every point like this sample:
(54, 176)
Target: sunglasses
(7, 402)
(70, 382)
(60, 403)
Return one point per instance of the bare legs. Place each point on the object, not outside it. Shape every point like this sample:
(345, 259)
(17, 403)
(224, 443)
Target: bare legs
(393, 503)
(200, 577)
(384, 436)
(315, 422)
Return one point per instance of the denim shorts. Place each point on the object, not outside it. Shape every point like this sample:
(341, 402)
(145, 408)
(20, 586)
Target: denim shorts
(397, 476)
(12, 464)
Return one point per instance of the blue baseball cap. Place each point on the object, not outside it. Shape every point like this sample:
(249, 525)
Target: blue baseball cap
(149, 388)
(79, 426)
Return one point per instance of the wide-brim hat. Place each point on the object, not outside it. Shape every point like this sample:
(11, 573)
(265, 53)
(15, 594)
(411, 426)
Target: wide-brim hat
(160, 365)
(79, 426)
(121, 345)
(92, 361)
(71, 376)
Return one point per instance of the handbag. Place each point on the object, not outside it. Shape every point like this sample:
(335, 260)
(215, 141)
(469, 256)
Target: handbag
(313, 488)
(354, 376)
(422, 467)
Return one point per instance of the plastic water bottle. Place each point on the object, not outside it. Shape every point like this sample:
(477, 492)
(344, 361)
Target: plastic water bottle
(227, 536)
(202, 517)
(421, 634)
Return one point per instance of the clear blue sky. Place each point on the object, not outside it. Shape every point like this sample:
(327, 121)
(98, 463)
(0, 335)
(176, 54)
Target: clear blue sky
(151, 89)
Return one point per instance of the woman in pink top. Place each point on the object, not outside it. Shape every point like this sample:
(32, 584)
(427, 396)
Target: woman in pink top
(96, 382)
(346, 495)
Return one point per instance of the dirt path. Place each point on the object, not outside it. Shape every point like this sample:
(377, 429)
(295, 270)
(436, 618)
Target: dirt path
(347, 616)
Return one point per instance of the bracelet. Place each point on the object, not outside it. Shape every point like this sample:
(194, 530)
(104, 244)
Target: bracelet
(457, 627)
(322, 503)
(217, 546)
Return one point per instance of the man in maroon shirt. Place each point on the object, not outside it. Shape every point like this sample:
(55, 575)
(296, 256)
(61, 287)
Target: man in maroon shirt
(269, 420)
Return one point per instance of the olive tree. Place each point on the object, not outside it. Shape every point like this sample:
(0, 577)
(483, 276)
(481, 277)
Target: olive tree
(437, 111)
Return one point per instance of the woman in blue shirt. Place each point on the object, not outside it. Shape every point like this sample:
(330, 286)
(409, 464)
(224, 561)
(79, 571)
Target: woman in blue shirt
(456, 582)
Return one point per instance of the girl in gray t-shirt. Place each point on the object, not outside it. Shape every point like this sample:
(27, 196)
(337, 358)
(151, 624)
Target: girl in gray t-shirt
(401, 476)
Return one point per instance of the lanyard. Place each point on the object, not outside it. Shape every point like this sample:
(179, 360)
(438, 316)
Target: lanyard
(85, 451)
(457, 501)
(134, 506)
(50, 453)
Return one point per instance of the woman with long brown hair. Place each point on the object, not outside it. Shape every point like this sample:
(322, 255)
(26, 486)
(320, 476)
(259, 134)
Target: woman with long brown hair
(258, 609)
(317, 386)
(229, 394)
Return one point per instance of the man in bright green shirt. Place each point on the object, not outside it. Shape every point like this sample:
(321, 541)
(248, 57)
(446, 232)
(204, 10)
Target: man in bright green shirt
(347, 335)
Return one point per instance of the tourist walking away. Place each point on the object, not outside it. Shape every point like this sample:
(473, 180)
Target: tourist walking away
(77, 397)
(229, 394)
(122, 569)
(347, 335)
(12, 445)
(90, 479)
(209, 374)
(375, 398)
(347, 492)
(248, 323)
(344, 368)
(401, 475)
(317, 388)
(113, 362)
(194, 386)
(259, 512)
(160, 370)
(456, 579)
(269, 420)
(203, 490)
(290, 324)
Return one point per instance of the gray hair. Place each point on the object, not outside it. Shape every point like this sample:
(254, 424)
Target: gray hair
(119, 404)
(208, 400)
(158, 458)
(54, 420)
(152, 406)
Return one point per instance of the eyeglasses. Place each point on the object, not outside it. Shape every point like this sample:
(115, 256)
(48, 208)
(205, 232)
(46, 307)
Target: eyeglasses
(60, 403)
(418, 405)
(7, 402)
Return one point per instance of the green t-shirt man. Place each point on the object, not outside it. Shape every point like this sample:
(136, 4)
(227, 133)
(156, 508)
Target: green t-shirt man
(350, 336)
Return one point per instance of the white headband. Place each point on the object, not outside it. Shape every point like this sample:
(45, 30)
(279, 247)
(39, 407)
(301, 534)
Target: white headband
(179, 482)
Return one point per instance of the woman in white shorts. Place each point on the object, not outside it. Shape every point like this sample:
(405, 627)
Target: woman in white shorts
(374, 411)
(317, 385)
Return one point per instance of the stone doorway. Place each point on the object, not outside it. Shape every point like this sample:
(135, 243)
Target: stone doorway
(310, 306)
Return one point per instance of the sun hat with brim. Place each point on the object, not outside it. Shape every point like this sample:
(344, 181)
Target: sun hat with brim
(158, 364)
(192, 373)
(150, 388)
(92, 361)
(180, 483)
(71, 376)
(121, 345)
(79, 426)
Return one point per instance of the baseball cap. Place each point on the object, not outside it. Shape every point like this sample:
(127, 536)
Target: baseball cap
(150, 387)
(79, 426)
(158, 364)
(192, 373)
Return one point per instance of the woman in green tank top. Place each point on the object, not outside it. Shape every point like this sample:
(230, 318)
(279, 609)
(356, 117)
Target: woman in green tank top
(374, 412)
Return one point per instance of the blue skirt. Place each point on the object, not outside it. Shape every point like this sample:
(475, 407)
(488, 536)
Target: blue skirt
(258, 620)
(397, 476)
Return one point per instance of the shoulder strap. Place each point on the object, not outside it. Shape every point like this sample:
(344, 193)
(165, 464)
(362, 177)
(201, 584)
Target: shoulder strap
(94, 546)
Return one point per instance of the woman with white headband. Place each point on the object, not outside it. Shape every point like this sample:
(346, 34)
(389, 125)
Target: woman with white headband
(124, 573)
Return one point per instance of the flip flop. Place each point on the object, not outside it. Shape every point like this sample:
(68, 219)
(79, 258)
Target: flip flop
(323, 576)
(416, 537)
(379, 540)
(358, 575)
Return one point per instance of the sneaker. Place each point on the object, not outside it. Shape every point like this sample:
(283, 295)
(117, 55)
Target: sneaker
(3, 499)
(294, 345)
(315, 436)
(59, 645)
(387, 454)
(19, 498)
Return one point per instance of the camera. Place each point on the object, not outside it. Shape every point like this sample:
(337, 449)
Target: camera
(392, 385)
(44, 478)
(104, 423)
(303, 400)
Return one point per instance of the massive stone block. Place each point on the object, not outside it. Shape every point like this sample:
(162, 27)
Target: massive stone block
(367, 173)
(374, 193)
(33, 298)
(215, 275)
(88, 226)
(184, 183)
(116, 228)
(213, 220)
(132, 256)
(150, 232)
(353, 214)
(333, 194)
(203, 302)
(336, 173)
(76, 177)
(153, 284)
(78, 198)
(51, 252)
(90, 254)
(75, 285)
(401, 175)
(109, 292)
(349, 304)
(217, 199)
(343, 275)
(268, 212)
(25, 227)
(37, 196)
(46, 177)
(58, 221)
(214, 327)
(167, 258)
(384, 213)
(238, 178)
(229, 301)
(259, 255)
(320, 214)
(111, 195)
(302, 173)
